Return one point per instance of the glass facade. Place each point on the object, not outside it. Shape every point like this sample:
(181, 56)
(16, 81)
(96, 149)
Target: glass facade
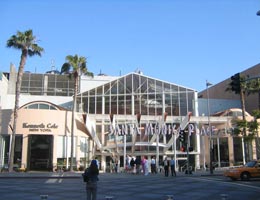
(47, 84)
(137, 94)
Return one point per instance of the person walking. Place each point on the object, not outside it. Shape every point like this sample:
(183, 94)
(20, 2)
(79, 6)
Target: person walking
(138, 164)
(116, 166)
(132, 164)
(91, 185)
(153, 166)
(172, 164)
(143, 164)
(146, 166)
(166, 167)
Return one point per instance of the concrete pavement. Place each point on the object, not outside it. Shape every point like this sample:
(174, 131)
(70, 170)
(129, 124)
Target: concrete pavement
(121, 186)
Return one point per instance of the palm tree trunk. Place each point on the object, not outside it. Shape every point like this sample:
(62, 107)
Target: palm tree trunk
(242, 96)
(258, 99)
(72, 121)
(16, 107)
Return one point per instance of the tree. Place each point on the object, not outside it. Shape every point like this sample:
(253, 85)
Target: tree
(241, 85)
(27, 43)
(253, 86)
(238, 86)
(75, 66)
(256, 114)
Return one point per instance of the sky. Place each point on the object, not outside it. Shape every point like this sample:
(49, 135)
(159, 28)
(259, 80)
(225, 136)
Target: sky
(184, 42)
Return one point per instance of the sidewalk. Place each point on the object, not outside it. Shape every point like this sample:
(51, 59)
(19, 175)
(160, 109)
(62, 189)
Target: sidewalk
(40, 174)
(77, 174)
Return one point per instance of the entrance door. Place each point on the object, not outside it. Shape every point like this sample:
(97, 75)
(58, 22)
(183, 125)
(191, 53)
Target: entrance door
(40, 152)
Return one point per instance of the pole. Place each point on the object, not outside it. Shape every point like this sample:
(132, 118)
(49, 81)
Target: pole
(204, 156)
(175, 157)
(125, 152)
(188, 149)
(219, 163)
(157, 151)
(210, 132)
(188, 160)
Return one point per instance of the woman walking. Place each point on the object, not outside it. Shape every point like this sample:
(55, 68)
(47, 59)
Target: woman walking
(91, 185)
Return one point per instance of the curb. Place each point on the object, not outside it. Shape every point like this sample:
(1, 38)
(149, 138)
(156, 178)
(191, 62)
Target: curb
(78, 175)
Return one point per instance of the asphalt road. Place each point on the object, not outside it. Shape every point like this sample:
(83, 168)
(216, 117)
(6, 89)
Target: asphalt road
(128, 187)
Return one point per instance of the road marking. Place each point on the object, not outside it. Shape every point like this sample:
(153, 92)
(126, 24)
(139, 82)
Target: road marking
(52, 180)
(228, 183)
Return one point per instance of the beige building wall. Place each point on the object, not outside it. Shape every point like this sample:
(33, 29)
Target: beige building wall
(49, 122)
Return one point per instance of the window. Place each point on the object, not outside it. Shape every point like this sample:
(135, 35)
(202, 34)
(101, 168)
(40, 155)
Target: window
(42, 106)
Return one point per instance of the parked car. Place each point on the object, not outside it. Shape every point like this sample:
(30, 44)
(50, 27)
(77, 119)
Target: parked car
(246, 172)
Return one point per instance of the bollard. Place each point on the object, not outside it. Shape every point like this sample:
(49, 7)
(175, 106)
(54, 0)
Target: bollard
(224, 196)
(109, 197)
(169, 197)
(44, 196)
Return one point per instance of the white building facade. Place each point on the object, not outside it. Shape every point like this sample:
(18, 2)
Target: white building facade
(117, 117)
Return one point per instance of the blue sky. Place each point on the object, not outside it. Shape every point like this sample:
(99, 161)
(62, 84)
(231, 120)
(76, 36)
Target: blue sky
(185, 42)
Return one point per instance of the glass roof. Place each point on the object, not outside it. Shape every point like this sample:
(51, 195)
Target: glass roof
(135, 93)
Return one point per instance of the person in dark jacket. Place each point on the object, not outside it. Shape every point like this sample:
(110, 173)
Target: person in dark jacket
(91, 185)
(172, 164)
(166, 167)
(138, 163)
(132, 164)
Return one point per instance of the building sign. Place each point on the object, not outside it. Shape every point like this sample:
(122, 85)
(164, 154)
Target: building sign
(157, 128)
(150, 129)
(40, 127)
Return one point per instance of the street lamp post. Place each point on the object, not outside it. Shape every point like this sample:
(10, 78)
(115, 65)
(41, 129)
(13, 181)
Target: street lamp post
(210, 131)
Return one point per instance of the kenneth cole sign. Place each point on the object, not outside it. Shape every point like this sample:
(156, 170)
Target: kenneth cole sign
(40, 127)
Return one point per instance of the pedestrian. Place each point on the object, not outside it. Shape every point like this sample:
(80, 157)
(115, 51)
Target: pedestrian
(138, 164)
(166, 167)
(160, 166)
(143, 163)
(97, 162)
(153, 166)
(146, 166)
(172, 164)
(127, 164)
(116, 166)
(91, 185)
(132, 164)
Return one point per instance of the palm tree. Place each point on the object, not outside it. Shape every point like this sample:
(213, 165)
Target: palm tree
(256, 114)
(238, 86)
(75, 66)
(26, 42)
(253, 86)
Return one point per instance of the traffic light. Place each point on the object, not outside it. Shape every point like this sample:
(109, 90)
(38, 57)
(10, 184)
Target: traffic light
(183, 149)
(236, 83)
(182, 136)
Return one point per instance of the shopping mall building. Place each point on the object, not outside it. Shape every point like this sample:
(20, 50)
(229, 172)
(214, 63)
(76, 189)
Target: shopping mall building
(117, 117)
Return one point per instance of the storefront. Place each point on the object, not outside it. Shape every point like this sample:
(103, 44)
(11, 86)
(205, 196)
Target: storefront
(43, 138)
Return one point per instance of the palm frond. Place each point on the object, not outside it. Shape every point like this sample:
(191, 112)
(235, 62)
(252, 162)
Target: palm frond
(65, 68)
